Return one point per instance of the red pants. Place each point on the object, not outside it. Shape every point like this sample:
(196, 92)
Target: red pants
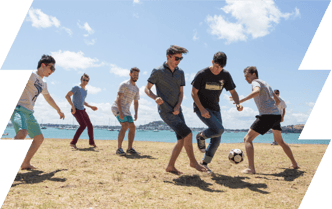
(84, 121)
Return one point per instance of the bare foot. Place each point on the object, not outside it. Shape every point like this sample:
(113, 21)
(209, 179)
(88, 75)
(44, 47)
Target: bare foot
(198, 167)
(248, 171)
(73, 146)
(294, 166)
(28, 167)
(173, 170)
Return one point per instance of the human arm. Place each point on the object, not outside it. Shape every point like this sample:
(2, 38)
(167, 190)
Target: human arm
(94, 108)
(178, 105)
(68, 97)
(194, 95)
(254, 93)
(283, 115)
(51, 102)
(235, 98)
(150, 94)
(118, 102)
(276, 98)
(136, 109)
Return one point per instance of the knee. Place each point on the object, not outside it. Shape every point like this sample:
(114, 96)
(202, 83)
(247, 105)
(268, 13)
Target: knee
(221, 131)
(21, 134)
(246, 139)
(132, 127)
(124, 126)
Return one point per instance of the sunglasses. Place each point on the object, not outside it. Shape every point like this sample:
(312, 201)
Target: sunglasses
(52, 68)
(178, 58)
(85, 80)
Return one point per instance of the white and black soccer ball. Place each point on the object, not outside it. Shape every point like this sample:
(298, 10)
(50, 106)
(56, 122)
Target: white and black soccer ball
(236, 156)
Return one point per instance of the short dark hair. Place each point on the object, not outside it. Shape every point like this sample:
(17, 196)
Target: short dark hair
(251, 70)
(220, 58)
(134, 69)
(276, 90)
(173, 49)
(85, 75)
(45, 59)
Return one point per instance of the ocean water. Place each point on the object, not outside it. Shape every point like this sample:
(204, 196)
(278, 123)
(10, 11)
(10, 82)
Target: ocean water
(164, 136)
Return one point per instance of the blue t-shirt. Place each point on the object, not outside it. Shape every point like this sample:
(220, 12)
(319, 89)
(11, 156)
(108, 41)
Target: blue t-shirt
(79, 97)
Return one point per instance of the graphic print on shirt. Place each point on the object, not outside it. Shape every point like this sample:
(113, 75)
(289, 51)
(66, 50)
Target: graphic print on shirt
(39, 88)
(214, 85)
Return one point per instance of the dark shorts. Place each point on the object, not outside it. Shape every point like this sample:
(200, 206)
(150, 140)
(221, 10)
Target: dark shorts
(177, 123)
(264, 123)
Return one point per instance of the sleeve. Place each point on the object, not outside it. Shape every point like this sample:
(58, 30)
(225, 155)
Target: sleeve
(122, 88)
(74, 89)
(137, 95)
(254, 84)
(230, 85)
(198, 81)
(183, 81)
(45, 90)
(153, 77)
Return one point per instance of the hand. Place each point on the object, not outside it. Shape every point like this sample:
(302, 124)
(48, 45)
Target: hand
(176, 110)
(121, 115)
(73, 110)
(94, 108)
(282, 119)
(62, 116)
(205, 114)
(159, 100)
(239, 107)
(135, 117)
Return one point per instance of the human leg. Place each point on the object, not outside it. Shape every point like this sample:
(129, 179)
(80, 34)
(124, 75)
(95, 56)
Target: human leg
(122, 133)
(175, 154)
(250, 136)
(278, 138)
(90, 128)
(80, 119)
(37, 141)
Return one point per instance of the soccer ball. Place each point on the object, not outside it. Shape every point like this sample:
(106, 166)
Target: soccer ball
(236, 156)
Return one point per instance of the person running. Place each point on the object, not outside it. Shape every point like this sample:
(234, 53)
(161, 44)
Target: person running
(207, 87)
(169, 81)
(79, 94)
(127, 93)
(269, 117)
(23, 119)
(282, 109)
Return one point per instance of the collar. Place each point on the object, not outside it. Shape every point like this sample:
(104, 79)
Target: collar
(166, 67)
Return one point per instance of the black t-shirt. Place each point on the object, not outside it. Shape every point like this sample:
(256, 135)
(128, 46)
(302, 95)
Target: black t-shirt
(210, 86)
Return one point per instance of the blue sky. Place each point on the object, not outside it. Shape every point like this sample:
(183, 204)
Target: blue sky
(106, 38)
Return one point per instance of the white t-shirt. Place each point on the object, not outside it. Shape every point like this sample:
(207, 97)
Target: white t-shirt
(130, 93)
(34, 87)
(281, 106)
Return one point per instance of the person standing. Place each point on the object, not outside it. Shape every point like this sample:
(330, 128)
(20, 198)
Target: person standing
(79, 94)
(206, 89)
(169, 81)
(269, 117)
(282, 109)
(23, 116)
(127, 93)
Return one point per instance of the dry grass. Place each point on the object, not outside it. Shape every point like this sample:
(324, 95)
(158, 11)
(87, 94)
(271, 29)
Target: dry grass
(89, 178)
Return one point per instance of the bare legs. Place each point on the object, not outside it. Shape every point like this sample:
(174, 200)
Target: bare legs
(37, 141)
(131, 134)
(251, 135)
(187, 143)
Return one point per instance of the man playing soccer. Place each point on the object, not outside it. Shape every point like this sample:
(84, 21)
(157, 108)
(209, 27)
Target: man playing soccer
(269, 117)
(128, 92)
(207, 87)
(282, 109)
(169, 81)
(23, 120)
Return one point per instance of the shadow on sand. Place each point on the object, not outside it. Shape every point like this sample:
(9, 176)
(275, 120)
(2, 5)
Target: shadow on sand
(91, 149)
(288, 174)
(139, 156)
(192, 181)
(36, 176)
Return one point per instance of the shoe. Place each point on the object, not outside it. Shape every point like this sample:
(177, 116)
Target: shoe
(200, 143)
(207, 168)
(274, 143)
(120, 152)
(132, 151)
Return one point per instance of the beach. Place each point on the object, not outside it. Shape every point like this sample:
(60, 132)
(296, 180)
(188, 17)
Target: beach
(97, 178)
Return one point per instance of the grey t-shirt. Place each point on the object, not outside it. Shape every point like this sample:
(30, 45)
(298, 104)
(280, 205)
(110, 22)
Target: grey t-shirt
(168, 86)
(265, 101)
(79, 97)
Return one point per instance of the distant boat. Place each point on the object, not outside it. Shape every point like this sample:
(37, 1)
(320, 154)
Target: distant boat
(43, 127)
(111, 129)
(156, 130)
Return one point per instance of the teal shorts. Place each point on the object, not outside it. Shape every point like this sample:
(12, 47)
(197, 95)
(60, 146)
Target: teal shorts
(126, 118)
(23, 118)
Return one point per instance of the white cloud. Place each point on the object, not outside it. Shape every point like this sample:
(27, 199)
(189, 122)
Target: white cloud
(92, 89)
(42, 20)
(190, 77)
(119, 71)
(86, 27)
(310, 104)
(136, 1)
(136, 15)
(74, 60)
(195, 37)
(90, 42)
(253, 18)
(68, 30)
(145, 72)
